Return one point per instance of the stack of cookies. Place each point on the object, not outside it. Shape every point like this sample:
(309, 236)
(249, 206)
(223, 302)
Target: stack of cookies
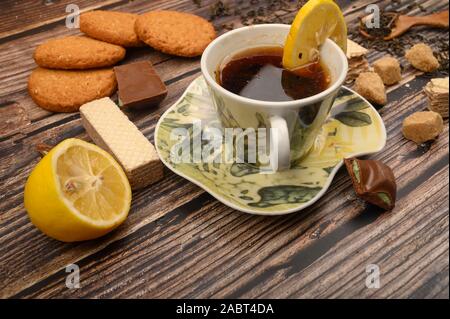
(77, 69)
(72, 71)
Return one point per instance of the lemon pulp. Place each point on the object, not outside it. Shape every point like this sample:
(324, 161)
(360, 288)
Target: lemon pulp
(89, 182)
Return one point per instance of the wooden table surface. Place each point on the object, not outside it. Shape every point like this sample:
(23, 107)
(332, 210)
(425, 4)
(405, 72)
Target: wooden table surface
(178, 241)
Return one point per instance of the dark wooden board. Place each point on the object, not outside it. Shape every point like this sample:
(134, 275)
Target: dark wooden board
(180, 242)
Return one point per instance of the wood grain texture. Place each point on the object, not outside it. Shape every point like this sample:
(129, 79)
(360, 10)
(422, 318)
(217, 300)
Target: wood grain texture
(180, 242)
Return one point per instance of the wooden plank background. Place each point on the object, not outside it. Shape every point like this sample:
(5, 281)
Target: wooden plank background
(180, 242)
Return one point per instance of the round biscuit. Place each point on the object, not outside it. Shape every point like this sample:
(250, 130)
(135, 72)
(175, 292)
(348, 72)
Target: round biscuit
(176, 33)
(110, 26)
(66, 91)
(77, 52)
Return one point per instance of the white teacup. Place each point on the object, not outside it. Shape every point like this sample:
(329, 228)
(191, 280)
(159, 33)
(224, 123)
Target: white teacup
(296, 128)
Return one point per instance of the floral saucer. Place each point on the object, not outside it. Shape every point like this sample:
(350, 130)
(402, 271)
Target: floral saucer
(354, 128)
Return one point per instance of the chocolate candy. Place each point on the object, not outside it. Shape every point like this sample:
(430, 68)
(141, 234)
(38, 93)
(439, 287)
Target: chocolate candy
(373, 181)
(139, 85)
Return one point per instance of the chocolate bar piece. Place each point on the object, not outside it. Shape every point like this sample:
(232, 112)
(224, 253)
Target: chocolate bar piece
(111, 129)
(373, 181)
(139, 85)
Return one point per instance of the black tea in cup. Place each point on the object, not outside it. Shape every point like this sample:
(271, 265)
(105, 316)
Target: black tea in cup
(258, 74)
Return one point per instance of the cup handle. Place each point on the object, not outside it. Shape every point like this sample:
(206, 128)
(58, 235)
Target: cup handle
(280, 146)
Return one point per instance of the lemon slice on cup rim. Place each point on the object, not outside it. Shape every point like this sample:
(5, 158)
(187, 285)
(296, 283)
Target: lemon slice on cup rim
(316, 21)
(77, 192)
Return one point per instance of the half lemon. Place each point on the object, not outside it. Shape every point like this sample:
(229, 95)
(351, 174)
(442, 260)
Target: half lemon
(77, 192)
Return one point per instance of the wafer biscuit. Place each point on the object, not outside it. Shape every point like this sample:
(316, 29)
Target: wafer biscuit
(354, 50)
(357, 61)
(437, 93)
(110, 129)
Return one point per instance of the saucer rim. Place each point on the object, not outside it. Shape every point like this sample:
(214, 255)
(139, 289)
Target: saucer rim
(275, 212)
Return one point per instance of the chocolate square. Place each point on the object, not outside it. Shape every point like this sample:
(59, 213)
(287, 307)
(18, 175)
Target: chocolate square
(139, 85)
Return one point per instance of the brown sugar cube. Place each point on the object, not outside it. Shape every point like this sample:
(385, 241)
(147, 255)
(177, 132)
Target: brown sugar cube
(422, 126)
(421, 57)
(388, 69)
(370, 86)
